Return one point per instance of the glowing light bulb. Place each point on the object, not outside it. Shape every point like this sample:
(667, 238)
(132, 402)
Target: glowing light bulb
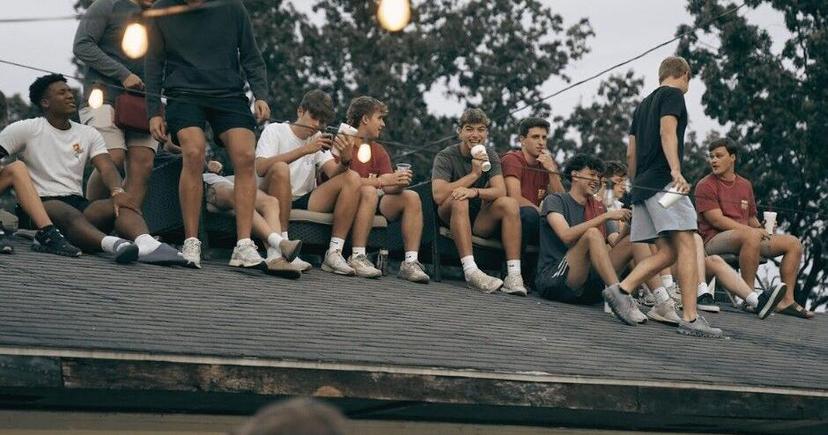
(135, 42)
(364, 153)
(394, 15)
(96, 98)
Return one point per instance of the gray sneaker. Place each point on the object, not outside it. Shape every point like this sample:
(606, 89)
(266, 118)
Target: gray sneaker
(164, 255)
(335, 263)
(302, 265)
(664, 312)
(675, 294)
(480, 281)
(513, 285)
(413, 271)
(363, 267)
(699, 328)
(646, 297)
(191, 250)
(290, 249)
(278, 266)
(621, 304)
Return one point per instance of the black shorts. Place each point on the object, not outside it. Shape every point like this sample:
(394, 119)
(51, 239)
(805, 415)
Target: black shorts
(77, 202)
(550, 283)
(223, 113)
(301, 203)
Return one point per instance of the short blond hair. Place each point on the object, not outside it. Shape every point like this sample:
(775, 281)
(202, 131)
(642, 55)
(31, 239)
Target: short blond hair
(673, 66)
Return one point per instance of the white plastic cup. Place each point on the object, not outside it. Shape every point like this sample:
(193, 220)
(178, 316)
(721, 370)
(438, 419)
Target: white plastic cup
(344, 129)
(403, 167)
(670, 197)
(479, 151)
(770, 221)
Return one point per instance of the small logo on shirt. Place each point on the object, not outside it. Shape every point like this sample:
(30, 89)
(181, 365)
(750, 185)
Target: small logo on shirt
(77, 149)
(744, 204)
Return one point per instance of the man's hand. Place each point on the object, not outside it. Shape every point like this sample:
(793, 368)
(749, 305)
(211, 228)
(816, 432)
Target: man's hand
(121, 199)
(762, 233)
(133, 82)
(477, 166)
(548, 163)
(462, 193)
(214, 166)
(622, 214)
(158, 129)
(322, 142)
(679, 182)
(262, 111)
(345, 146)
(399, 178)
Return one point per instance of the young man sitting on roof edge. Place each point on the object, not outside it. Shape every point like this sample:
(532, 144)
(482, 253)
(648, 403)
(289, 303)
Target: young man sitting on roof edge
(384, 190)
(290, 156)
(728, 223)
(473, 201)
(56, 150)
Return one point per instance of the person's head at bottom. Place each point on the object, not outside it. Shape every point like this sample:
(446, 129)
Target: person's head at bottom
(295, 417)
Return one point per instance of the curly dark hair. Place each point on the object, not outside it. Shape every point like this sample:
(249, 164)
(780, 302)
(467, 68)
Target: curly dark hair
(581, 161)
(615, 168)
(729, 144)
(38, 89)
(529, 123)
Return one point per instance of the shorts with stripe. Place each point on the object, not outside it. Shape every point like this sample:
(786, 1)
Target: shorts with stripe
(550, 283)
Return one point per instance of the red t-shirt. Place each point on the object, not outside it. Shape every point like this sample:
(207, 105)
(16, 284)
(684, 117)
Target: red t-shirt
(534, 179)
(734, 199)
(379, 164)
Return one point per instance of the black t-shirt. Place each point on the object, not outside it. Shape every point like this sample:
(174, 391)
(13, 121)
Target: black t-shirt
(552, 249)
(652, 172)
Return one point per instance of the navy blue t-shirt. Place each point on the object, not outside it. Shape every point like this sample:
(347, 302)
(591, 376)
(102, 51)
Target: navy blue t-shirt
(652, 172)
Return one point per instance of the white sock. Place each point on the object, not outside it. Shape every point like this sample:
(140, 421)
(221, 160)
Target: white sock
(285, 235)
(661, 295)
(468, 264)
(336, 244)
(112, 244)
(702, 289)
(146, 244)
(752, 300)
(358, 250)
(411, 256)
(513, 267)
(273, 250)
(667, 281)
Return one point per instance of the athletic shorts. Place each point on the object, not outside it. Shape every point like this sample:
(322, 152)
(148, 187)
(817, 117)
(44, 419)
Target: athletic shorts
(650, 220)
(301, 203)
(550, 283)
(77, 202)
(103, 120)
(222, 113)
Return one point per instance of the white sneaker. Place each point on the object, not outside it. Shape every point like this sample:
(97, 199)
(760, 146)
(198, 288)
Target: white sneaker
(513, 285)
(363, 267)
(335, 263)
(302, 265)
(478, 280)
(191, 250)
(246, 255)
(665, 312)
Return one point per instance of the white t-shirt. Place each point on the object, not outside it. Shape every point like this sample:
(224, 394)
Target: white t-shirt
(55, 158)
(211, 179)
(278, 138)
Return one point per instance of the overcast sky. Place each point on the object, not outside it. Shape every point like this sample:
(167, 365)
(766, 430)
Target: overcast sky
(623, 29)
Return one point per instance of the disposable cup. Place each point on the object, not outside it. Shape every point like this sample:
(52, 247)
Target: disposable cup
(403, 167)
(770, 221)
(670, 197)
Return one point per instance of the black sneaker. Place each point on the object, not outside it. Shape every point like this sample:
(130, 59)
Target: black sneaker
(769, 299)
(705, 302)
(5, 244)
(50, 240)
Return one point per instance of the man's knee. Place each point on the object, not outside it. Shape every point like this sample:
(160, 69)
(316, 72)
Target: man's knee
(411, 200)
(792, 245)
(269, 202)
(351, 178)
(193, 157)
(460, 207)
(749, 238)
(594, 235)
(16, 169)
(508, 205)
(368, 194)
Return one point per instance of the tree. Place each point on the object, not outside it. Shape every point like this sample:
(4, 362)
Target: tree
(777, 107)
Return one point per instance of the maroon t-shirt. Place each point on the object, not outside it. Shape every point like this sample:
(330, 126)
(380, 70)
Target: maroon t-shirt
(534, 179)
(735, 200)
(379, 164)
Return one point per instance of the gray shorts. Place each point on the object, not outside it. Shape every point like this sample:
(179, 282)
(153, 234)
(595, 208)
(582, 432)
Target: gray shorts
(650, 220)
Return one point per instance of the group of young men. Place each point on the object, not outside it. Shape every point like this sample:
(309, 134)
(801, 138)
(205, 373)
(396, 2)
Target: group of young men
(586, 243)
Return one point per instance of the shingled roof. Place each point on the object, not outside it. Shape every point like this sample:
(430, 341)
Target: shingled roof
(387, 349)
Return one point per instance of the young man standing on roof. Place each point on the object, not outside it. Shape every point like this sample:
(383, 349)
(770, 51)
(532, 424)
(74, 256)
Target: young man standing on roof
(98, 46)
(473, 201)
(728, 225)
(56, 151)
(384, 190)
(289, 157)
(202, 74)
(656, 145)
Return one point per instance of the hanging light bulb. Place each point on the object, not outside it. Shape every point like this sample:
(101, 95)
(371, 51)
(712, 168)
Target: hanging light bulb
(96, 97)
(394, 15)
(364, 153)
(135, 41)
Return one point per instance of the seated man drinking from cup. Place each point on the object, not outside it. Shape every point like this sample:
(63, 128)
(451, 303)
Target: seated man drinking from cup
(383, 189)
(728, 224)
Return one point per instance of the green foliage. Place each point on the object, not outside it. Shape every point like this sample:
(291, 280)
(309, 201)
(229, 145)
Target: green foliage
(776, 104)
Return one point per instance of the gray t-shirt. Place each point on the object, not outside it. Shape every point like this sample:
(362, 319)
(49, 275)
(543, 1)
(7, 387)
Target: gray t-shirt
(451, 165)
(552, 249)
